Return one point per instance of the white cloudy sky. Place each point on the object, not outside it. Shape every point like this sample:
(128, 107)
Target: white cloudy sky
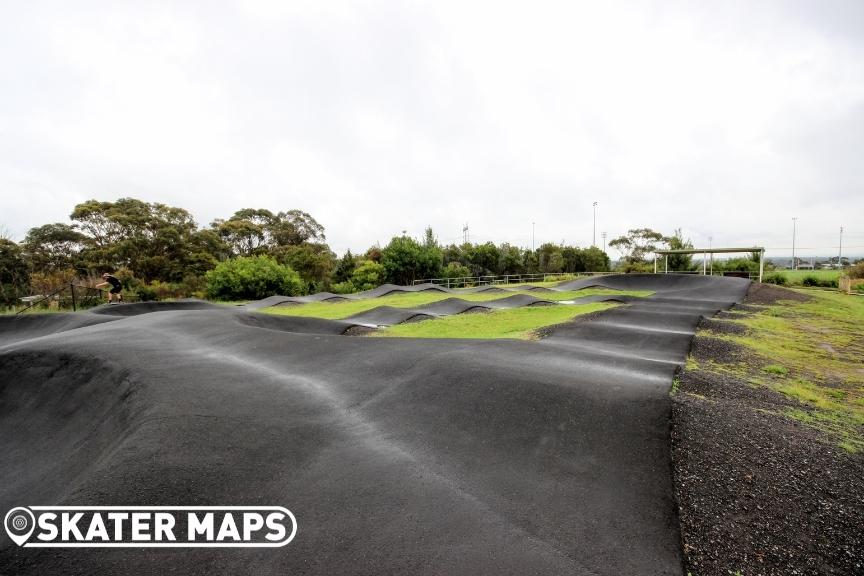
(724, 118)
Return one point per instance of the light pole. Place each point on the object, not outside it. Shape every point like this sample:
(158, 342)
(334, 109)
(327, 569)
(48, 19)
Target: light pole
(532, 236)
(603, 235)
(594, 233)
(794, 223)
(840, 253)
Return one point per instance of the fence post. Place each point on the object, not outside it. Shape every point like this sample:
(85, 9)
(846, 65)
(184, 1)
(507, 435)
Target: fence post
(72, 288)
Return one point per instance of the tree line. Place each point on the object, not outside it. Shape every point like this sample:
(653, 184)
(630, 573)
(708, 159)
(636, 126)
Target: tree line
(159, 251)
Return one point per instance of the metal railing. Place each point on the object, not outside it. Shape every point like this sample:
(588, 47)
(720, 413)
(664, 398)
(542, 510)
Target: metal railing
(470, 281)
(85, 297)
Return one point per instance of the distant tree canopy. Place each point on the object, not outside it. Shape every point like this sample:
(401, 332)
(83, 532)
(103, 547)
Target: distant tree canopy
(145, 243)
(405, 260)
(639, 244)
(154, 241)
(160, 251)
(14, 272)
(679, 262)
(257, 231)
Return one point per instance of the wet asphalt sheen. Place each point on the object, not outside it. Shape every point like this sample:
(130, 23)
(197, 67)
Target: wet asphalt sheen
(397, 456)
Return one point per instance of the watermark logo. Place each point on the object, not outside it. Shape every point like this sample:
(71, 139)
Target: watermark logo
(150, 526)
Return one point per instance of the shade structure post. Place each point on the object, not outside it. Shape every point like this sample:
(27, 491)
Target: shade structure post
(761, 264)
(666, 265)
(655, 263)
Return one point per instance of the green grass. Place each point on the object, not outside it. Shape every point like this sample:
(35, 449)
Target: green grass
(776, 369)
(340, 310)
(812, 353)
(515, 323)
(795, 277)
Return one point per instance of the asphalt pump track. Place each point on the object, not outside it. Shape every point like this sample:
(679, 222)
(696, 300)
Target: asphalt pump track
(397, 456)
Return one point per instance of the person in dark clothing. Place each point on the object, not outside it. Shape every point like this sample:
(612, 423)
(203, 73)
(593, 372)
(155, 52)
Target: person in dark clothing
(116, 287)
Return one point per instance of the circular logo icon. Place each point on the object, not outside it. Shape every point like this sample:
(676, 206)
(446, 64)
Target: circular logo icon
(19, 523)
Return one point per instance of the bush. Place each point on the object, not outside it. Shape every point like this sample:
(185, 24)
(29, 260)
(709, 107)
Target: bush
(368, 275)
(636, 267)
(777, 278)
(146, 293)
(346, 287)
(252, 278)
(43, 283)
(810, 280)
(856, 271)
(193, 286)
(455, 270)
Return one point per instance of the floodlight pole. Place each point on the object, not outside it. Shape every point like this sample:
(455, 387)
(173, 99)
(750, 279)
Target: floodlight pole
(840, 252)
(794, 263)
(594, 233)
(603, 235)
(532, 236)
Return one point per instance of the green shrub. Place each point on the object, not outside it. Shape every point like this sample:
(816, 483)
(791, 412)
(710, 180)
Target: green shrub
(346, 287)
(146, 293)
(368, 275)
(455, 270)
(637, 267)
(856, 272)
(252, 278)
(777, 278)
(810, 280)
(193, 286)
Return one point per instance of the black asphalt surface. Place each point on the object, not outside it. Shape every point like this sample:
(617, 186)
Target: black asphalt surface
(397, 456)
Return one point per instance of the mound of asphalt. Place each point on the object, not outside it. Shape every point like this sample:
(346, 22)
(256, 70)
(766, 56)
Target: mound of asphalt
(33, 325)
(136, 308)
(452, 306)
(515, 301)
(296, 324)
(387, 289)
(396, 456)
(486, 289)
(389, 315)
(530, 288)
(285, 300)
(390, 289)
(691, 286)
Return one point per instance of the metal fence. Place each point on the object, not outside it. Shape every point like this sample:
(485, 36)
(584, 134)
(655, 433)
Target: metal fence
(69, 296)
(470, 281)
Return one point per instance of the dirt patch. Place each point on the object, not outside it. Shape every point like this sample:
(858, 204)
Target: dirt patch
(707, 348)
(718, 326)
(767, 294)
(477, 310)
(758, 491)
(359, 331)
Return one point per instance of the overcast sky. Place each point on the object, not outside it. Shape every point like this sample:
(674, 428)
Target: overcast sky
(726, 119)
